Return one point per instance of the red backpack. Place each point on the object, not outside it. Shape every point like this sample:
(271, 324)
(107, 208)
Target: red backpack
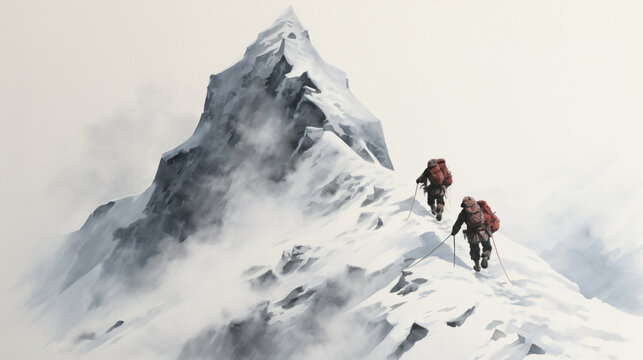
(475, 218)
(490, 219)
(436, 177)
(448, 179)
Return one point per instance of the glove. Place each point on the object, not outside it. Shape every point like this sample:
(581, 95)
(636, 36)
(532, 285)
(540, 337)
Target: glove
(417, 181)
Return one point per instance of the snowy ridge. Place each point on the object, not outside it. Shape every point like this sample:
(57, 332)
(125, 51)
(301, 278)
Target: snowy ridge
(327, 283)
(543, 310)
(279, 231)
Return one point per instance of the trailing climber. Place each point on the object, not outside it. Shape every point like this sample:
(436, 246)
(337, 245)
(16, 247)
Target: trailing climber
(481, 224)
(440, 179)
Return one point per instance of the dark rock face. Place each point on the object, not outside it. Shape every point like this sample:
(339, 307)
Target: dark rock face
(293, 259)
(116, 325)
(404, 287)
(355, 271)
(264, 280)
(85, 336)
(191, 185)
(244, 339)
(535, 349)
(462, 318)
(401, 283)
(379, 223)
(497, 334)
(521, 340)
(257, 337)
(376, 195)
(416, 334)
(295, 297)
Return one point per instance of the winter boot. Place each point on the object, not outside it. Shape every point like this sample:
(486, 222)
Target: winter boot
(432, 209)
(485, 259)
(438, 216)
(476, 266)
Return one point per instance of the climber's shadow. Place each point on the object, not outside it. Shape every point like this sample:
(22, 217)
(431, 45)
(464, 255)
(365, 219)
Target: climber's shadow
(405, 205)
(429, 241)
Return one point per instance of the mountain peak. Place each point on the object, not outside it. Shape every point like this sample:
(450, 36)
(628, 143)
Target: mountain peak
(285, 32)
(285, 60)
(262, 113)
(288, 15)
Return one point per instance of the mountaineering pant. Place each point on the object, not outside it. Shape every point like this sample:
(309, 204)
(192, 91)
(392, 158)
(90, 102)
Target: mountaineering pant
(435, 195)
(478, 237)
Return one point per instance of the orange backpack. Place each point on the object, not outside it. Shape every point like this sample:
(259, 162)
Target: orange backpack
(490, 219)
(448, 179)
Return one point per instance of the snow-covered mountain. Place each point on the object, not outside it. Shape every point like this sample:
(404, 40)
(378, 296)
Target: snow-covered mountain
(279, 231)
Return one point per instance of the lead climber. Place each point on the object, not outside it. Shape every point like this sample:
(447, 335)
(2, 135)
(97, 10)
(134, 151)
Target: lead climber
(439, 178)
(481, 224)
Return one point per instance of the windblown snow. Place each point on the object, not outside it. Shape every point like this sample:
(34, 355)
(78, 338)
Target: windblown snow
(279, 231)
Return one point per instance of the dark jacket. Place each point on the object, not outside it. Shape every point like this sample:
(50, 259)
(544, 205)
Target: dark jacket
(424, 177)
(481, 233)
(462, 217)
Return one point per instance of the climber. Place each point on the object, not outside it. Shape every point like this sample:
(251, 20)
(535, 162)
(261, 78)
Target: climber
(440, 179)
(481, 224)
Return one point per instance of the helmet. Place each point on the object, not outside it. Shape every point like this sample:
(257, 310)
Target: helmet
(431, 163)
(467, 201)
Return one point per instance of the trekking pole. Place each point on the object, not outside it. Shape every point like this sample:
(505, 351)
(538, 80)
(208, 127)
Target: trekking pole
(500, 261)
(453, 251)
(413, 203)
(427, 255)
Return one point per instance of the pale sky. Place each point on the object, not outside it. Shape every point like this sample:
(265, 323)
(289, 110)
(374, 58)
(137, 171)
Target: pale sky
(548, 93)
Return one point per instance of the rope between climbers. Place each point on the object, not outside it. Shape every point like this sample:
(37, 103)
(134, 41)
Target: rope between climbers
(500, 261)
(427, 255)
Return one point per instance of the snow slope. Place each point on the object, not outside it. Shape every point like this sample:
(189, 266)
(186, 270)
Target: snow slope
(279, 231)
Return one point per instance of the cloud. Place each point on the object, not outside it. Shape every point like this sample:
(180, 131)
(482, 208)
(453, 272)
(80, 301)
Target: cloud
(115, 157)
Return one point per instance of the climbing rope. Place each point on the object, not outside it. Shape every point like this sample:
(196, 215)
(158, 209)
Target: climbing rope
(500, 261)
(431, 252)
